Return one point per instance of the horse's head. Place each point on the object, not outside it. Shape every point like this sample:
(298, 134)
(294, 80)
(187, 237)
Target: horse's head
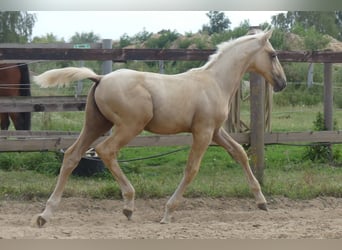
(266, 63)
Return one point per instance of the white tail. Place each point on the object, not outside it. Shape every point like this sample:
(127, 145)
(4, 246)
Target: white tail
(63, 77)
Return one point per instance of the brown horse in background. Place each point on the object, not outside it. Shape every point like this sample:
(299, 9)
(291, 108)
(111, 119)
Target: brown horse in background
(15, 81)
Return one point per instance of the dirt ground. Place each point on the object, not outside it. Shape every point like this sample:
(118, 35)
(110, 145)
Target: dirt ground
(203, 218)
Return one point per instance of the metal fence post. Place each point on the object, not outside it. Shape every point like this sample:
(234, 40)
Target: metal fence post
(328, 102)
(107, 66)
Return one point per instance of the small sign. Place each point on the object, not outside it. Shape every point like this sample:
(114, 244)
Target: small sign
(82, 46)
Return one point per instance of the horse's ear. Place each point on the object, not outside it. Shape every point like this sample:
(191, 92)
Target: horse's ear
(267, 35)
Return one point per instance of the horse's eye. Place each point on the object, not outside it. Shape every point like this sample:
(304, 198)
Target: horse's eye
(274, 55)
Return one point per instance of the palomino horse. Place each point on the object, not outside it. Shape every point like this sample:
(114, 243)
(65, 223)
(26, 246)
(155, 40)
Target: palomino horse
(15, 81)
(195, 101)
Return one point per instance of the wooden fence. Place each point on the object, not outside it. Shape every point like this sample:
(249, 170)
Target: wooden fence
(47, 140)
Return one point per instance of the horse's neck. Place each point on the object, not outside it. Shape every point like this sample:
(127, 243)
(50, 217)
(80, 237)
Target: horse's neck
(230, 66)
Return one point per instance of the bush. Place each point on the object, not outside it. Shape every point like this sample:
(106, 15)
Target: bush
(320, 152)
(45, 162)
(299, 94)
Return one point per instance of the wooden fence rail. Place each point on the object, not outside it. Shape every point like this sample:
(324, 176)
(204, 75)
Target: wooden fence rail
(26, 141)
(19, 52)
(42, 104)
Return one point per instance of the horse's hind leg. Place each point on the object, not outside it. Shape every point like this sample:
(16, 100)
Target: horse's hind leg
(5, 121)
(71, 158)
(222, 138)
(108, 150)
(95, 125)
(18, 120)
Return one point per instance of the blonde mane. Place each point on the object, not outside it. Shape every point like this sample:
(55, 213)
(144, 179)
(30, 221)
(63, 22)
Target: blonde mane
(223, 47)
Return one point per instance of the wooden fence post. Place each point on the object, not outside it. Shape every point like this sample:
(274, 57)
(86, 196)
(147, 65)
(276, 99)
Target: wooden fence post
(257, 95)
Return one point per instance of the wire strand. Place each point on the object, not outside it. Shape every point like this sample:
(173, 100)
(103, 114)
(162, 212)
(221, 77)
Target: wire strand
(143, 158)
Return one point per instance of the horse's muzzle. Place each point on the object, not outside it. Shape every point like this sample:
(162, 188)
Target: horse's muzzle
(279, 84)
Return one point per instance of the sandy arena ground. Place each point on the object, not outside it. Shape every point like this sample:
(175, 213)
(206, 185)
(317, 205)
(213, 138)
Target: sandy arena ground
(203, 218)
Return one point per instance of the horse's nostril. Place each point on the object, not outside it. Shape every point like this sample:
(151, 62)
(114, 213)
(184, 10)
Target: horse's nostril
(280, 86)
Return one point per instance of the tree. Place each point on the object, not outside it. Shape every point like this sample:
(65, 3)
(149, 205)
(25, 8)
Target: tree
(83, 37)
(16, 26)
(125, 40)
(47, 38)
(218, 22)
(324, 22)
(162, 40)
(313, 40)
(142, 36)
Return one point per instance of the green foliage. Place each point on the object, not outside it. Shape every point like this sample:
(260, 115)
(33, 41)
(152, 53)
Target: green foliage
(142, 36)
(47, 38)
(163, 39)
(297, 94)
(125, 40)
(338, 99)
(218, 22)
(181, 66)
(297, 72)
(218, 38)
(319, 152)
(185, 43)
(282, 21)
(47, 163)
(241, 30)
(324, 22)
(313, 39)
(278, 39)
(85, 37)
(16, 26)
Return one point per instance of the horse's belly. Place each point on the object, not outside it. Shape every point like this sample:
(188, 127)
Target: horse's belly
(167, 125)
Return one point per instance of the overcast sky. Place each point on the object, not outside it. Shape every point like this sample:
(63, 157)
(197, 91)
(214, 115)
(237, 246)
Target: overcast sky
(113, 24)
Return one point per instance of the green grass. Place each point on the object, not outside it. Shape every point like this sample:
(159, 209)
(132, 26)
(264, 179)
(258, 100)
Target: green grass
(297, 184)
(219, 176)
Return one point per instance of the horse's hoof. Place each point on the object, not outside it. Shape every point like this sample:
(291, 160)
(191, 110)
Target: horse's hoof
(128, 213)
(166, 220)
(263, 206)
(40, 221)
(163, 221)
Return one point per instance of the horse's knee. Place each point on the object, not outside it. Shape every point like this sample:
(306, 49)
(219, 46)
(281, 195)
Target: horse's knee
(105, 152)
(70, 160)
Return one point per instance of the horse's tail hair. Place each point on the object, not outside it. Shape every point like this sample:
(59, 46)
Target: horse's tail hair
(65, 76)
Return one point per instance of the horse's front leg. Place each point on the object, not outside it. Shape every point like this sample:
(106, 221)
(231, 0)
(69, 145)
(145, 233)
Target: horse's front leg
(199, 146)
(222, 138)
